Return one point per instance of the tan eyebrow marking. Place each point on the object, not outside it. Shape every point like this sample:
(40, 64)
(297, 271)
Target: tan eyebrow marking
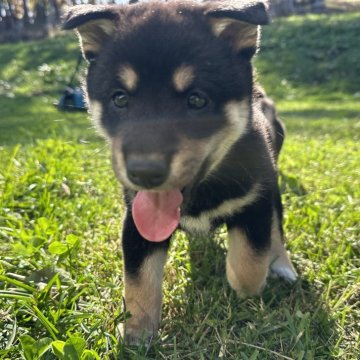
(128, 77)
(183, 77)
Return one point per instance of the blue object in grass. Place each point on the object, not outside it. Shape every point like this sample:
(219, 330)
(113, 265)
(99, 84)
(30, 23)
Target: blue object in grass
(72, 99)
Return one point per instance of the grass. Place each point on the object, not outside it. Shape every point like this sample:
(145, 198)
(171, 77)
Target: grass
(60, 216)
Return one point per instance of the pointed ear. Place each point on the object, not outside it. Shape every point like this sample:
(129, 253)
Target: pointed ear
(94, 25)
(238, 22)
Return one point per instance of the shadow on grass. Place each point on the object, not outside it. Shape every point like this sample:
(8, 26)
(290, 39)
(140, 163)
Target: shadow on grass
(316, 50)
(331, 114)
(30, 56)
(26, 119)
(339, 124)
(287, 319)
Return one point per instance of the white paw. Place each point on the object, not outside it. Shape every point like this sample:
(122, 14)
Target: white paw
(283, 268)
(132, 338)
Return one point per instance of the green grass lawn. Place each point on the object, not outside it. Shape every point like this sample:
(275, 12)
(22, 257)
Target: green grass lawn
(61, 211)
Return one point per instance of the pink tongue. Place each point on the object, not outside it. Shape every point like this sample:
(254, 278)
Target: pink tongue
(157, 214)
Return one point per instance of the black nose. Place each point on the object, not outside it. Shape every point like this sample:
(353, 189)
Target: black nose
(147, 173)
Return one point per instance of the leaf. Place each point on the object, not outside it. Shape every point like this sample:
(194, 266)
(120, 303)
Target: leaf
(57, 248)
(72, 240)
(90, 355)
(4, 352)
(44, 320)
(74, 347)
(27, 342)
(43, 223)
(13, 335)
(17, 283)
(58, 349)
(41, 346)
(16, 295)
(32, 187)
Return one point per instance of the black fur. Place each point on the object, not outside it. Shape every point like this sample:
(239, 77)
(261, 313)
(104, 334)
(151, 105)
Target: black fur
(135, 248)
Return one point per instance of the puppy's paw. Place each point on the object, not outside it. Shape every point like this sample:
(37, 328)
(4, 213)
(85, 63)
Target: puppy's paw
(144, 339)
(135, 337)
(283, 268)
(250, 283)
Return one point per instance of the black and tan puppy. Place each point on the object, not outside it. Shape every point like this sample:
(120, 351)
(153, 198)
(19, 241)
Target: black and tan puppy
(193, 142)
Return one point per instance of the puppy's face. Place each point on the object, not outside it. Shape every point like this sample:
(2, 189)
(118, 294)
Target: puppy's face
(169, 85)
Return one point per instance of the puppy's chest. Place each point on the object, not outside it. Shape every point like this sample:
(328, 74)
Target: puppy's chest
(205, 213)
(201, 224)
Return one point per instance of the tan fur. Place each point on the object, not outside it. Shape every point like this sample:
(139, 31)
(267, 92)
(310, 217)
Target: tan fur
(237, 113)
(245, 269)
(185, 162)
(149, 157)
(213, 148)
(183, 77)
(241, 34)
(143, 297)
(180, 173)
(93, 33)
(128, 77)
(119, 161)
(202, 222)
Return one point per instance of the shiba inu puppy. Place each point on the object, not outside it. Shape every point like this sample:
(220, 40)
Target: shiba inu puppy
(194, 141)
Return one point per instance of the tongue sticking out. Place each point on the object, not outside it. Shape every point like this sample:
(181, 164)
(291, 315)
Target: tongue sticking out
(157, 214)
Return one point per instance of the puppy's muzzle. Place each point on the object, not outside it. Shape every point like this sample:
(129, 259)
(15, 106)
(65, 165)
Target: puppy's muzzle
(147, 173)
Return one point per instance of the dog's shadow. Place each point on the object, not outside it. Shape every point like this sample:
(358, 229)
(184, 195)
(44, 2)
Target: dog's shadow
(289, 314)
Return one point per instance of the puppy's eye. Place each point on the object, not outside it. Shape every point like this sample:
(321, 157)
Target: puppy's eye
(90, 56)
(197, 101)
(120, 99)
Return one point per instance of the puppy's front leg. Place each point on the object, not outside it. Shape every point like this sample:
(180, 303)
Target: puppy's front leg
(144, 267)
(246, 268)
(248, 256)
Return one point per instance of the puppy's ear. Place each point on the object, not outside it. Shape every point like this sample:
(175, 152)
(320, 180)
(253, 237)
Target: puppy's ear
(238, 22)
(94, 25)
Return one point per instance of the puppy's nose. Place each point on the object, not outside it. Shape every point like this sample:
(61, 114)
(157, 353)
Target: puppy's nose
(147, 173)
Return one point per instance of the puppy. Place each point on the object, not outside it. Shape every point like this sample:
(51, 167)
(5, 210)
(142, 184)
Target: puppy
(194, 141)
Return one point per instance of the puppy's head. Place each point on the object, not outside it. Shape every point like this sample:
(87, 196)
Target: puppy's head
(169, 84)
